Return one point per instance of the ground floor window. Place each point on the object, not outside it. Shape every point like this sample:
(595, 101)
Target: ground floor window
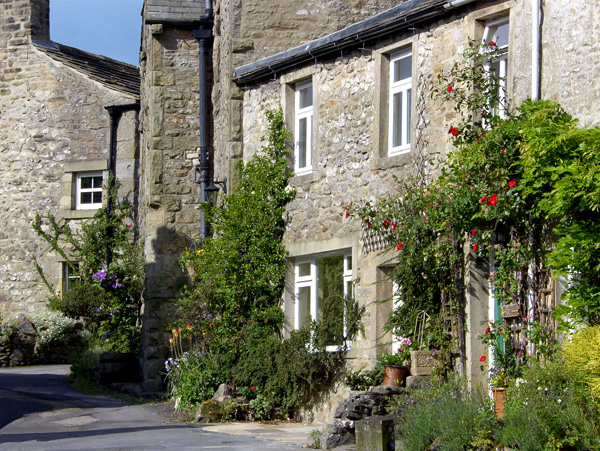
(323, 284)
(70, 275)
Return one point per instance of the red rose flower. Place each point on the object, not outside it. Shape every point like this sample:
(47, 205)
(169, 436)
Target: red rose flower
(475, 247)
(453, 131)
(474, 232)
(450, 88)
(253, 388)
(394, 226)
(487, 331)
(347, 213)
(399, 247)
(512, 184)
(492, 44)
(483, 199)
(482, 359)
(492, 200)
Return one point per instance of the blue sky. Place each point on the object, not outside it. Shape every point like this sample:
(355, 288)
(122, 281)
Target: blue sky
(106, 27)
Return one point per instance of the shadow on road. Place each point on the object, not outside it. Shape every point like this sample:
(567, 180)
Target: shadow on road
(50, 436)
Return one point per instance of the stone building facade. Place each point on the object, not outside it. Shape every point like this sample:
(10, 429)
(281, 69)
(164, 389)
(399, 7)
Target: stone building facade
(54, 129)
(353, 159)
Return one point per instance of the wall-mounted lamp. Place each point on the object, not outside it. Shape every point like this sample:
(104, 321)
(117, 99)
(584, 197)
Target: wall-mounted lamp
(212, 190)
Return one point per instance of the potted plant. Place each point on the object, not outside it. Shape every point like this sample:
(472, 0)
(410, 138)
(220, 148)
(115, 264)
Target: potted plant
(395, 365)
(506, 362)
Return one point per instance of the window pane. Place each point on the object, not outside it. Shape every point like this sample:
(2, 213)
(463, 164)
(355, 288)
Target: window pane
(304, 269)
(397, 120)
(408, 119)
(305, 95)
(86, 198)
(349, 263)
(302, 135)
(97, 197)
(86, 182)
(304, 306)
(402, 68)
(349, 294)
(97, 182)
(501, 35)
(330, 298)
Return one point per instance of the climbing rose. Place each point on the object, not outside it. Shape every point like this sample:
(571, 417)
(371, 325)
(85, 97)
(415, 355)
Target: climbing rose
(394, 226)
(453, 131)
(253, 388)
(474, 232)
(492, 200)
(450, 88)
(492, 44)
(399, 246)
(475, 247)
(347, 213)
(487, 331)
(482, 359)
(483, 199)
(512, 184)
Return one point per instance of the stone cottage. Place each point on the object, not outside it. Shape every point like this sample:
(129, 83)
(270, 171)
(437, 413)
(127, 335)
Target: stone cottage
(57, 107)
(358, 104)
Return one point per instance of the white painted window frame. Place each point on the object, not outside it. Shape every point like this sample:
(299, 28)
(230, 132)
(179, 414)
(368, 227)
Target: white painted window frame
(68, 277)
(404, 87)
(489, 36)
(300, 114)
(79, 190)
(312, 282)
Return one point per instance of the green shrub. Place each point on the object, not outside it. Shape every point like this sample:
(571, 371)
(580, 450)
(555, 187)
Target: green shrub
(549, 409)
(56, 330)
(80, 301)
(192, 378)
(82, 368)
(448, 417)
(582, 357)
(364, 379)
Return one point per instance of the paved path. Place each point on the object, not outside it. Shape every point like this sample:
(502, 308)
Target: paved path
(40, 411)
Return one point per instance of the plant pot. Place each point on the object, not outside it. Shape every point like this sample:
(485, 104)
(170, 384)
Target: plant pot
(394, 375)
(499, 395)
(421, 363)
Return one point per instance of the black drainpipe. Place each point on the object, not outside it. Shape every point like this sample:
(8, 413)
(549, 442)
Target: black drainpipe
(115, 112)
(204, 36)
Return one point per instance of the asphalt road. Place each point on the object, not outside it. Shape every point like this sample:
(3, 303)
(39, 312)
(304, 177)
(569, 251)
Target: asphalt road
(40, 411)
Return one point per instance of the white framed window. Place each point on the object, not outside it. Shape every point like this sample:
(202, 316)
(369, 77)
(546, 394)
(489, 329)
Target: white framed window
(322, 284)
(88, 191)
(496, 32)
(70, 275)
(400, 102)
(303, 127)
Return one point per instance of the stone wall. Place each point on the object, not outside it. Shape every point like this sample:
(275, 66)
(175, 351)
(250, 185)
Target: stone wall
(51, 116)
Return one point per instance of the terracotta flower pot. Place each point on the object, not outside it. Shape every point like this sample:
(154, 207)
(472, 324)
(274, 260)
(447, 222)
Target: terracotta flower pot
(499, 400)
(394, 375)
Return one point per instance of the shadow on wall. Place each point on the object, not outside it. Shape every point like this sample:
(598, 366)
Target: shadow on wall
(164, 281)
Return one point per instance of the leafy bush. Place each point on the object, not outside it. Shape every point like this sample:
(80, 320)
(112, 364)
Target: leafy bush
(8, 327)
(192, 378)
(550, 409)
(364, 379)
(582, 357)
(448, 417)
(57, 330)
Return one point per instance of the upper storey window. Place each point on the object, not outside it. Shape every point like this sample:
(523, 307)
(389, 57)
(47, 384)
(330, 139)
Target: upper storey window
(400, 102)
(303, 114)
(496, 33)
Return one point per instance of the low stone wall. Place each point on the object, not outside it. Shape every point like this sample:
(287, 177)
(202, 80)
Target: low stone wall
(21, 348)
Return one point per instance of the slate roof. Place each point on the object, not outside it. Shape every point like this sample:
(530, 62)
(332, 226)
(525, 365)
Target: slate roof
(401, 17)
(161, 11)
(111, 73)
